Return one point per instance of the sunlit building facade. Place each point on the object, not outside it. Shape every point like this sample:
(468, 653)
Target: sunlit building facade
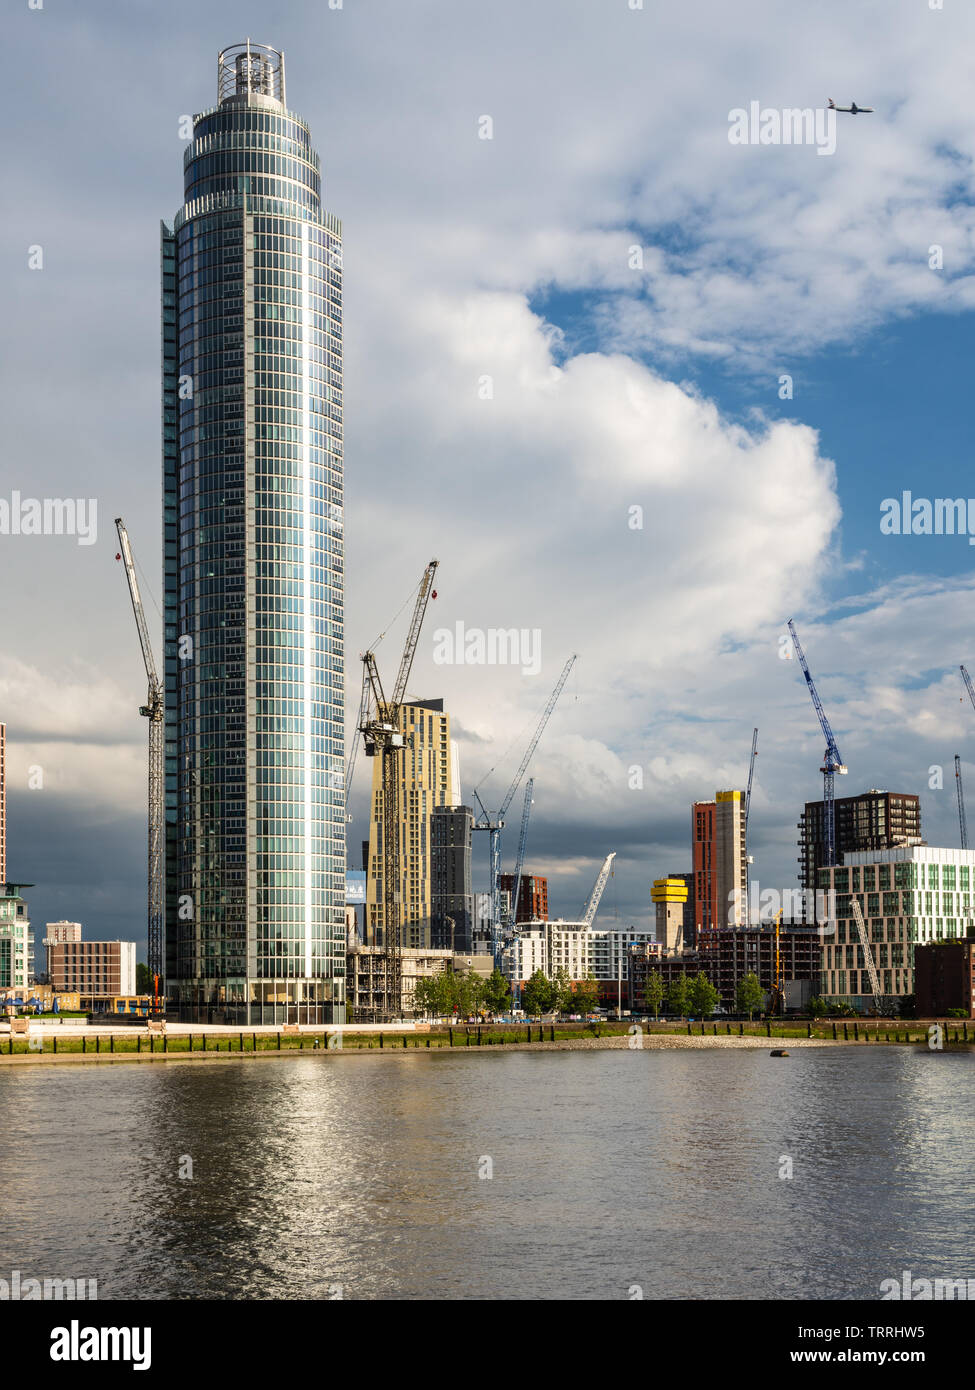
(253, 540)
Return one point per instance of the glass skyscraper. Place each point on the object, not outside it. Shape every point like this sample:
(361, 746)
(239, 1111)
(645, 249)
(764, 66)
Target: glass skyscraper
(253, 566)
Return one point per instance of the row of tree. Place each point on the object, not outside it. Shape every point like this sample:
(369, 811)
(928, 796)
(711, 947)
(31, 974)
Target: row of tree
(698, 996)
(447, 994)
(560, 995)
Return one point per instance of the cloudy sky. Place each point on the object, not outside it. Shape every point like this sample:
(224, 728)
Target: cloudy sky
(578, 324)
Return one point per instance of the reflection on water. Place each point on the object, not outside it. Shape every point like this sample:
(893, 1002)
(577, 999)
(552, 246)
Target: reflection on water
(609, 1169)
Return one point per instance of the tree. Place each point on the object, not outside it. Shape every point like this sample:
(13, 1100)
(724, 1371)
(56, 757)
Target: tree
(497, 992)
(749, 995)
(702, 995)
(654, 992)
(470, 991)
(586, 995)
(436, 994)
(677, 995)
(562, 985)
(143, 979)
(538, 994)
(818, 1006)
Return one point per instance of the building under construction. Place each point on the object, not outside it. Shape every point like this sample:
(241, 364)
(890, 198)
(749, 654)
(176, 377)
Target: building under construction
(872, 820)
(785, 955)
(366, 977)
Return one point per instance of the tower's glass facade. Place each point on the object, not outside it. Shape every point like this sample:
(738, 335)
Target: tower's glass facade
(253, 538)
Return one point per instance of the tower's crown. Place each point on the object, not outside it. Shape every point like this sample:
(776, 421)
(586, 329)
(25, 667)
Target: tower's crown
(250, 73)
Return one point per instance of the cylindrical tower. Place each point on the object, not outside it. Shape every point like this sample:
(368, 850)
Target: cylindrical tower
(253, 536)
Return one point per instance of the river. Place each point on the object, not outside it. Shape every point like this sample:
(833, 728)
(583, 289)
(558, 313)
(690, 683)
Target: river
(612, 1174)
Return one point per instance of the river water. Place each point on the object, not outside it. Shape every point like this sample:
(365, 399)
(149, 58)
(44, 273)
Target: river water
(359, 1174)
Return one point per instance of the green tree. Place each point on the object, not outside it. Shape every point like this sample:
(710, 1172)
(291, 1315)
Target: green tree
(654, 992)
(497, 992)
(677, 995)
(749, 995)
(470, 991)
(818, 1006)
(143, 979)
(538, 994)
(585, 997)
(436, 994)
(703, 996)
(562, 985)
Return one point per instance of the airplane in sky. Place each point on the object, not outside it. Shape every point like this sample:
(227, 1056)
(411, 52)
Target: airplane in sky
(853, 109)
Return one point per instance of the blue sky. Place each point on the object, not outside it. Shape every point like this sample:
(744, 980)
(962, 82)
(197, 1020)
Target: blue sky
(467, 258)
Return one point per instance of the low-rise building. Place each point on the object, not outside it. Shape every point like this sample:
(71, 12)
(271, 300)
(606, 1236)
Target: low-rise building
(575, 948)
(944, 978)
(96, 970)
(55, 934)
(365, 974)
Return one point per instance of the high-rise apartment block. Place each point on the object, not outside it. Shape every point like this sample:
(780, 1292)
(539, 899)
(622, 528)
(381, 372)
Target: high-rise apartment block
(909, 896)
(872, 820)
(425, 782)
(451, 898)
(253, 565)
(532, 903)
(16, 941)
(720, 862)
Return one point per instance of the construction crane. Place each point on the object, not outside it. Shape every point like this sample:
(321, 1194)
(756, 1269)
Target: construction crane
(832, 762)
(748, 802)
(751, 774)
(381, 735)
(878, 999)
(602, 878)
(520, 862)
(495, 826)
(968, 684)
(962, 823)
(153, 711)
(776, 1003)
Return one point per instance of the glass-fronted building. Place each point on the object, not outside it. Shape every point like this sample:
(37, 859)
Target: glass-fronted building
(909, 897)
(253, 568)
(16, 939)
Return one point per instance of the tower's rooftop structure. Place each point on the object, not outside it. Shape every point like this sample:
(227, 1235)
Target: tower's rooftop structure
(250, 74)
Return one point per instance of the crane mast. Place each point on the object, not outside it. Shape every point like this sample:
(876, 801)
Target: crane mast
(867, 955)
(962, 822)
(748, 802)
(381, 735)
(832, 762)
(968, 684)
(520, 862)
(496, 825)
(153, 710)
(589, 912)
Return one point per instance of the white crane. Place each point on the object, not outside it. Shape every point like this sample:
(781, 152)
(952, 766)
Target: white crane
(589, 914)
(153, 711)
(867, 956)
